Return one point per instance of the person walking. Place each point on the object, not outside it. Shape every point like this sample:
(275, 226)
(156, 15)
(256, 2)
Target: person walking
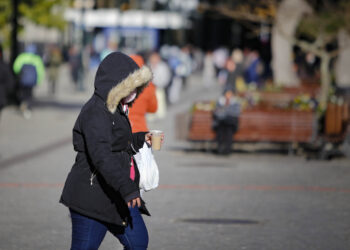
(76, 67)
(208, 74)
(102, 188)
(30, 71)
(53, 65)
(161, 79)
(145, 103)
(230, 75)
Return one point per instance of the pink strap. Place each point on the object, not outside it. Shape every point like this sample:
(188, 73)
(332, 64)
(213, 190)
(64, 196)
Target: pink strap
(132, 170)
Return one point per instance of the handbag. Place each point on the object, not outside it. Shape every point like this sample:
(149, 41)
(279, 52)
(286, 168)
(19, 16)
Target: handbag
(148, 168)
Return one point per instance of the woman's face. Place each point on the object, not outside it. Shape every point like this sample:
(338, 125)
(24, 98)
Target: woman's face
(230, 65)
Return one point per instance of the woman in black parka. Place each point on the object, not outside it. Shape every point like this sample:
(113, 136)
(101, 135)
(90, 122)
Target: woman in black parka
(102, 188)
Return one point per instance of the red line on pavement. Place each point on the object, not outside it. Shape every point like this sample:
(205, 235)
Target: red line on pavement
(256, 188)
(198, 187)
(201, 187)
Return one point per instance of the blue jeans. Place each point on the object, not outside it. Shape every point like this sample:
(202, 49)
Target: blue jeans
(87, 233)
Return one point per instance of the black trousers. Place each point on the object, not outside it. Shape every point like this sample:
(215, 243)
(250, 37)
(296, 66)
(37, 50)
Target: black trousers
(26, 95)
(224, 137)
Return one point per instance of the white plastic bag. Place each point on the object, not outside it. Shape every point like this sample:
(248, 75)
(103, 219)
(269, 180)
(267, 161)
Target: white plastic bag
(148, 168)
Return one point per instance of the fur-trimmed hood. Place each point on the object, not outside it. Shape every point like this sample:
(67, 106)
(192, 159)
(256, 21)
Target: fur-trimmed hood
(117, 76)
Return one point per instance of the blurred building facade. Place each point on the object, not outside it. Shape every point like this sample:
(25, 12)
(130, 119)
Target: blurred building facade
(128, 25)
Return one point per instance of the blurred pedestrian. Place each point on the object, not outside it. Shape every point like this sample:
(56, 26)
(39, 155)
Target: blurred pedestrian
(161, 79)
(7, 82)
(30, 70)
(145, 103)
(181, 64)
(185, 68)
(197, 59)
(76, 67)
(174, 87)
(220, 56)
(230, 75)
(54, 61)
(102, 188)
(238, 57)
(254, 68)
(226, 121)
(208, 75)
(112, 47)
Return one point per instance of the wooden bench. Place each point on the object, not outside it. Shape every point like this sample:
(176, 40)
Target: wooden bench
(266, 122)
(258, 126)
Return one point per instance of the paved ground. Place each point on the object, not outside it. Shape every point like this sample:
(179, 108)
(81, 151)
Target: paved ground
(249, 200)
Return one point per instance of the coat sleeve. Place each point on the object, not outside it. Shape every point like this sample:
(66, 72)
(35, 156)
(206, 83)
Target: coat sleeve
(138, 139)
(113, 166)
(17, 65)
(152, 99)
(39, 65)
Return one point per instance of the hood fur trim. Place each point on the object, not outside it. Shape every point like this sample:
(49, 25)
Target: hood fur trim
(136, 80)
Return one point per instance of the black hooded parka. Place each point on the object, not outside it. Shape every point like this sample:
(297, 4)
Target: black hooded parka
(99, 184)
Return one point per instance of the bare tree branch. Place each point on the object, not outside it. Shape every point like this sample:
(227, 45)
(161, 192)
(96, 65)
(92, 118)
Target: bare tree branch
(236, 14)
(318, 47)
(308, 47)
(335, 53)
(253, 28)
(319, 42)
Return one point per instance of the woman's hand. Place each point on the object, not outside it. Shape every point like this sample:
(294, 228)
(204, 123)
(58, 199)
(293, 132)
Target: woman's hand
(148, 138)
(134, 202)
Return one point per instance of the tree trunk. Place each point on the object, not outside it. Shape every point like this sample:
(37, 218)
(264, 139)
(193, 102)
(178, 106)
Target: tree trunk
(288, 16)
(325, 79)
(342, 72)
(14, 40)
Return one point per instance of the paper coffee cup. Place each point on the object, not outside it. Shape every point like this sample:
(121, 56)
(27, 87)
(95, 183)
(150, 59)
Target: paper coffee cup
(156, 139)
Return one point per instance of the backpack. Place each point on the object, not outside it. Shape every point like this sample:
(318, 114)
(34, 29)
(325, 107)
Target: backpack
(28, 75)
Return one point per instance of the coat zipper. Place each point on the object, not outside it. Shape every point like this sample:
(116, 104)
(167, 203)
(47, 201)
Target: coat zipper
(93, 174)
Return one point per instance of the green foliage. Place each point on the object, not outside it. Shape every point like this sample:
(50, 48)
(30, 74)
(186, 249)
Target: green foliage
(48, 13)
(43, 12)
(5, 11)
(5, 20)
(325, 21)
